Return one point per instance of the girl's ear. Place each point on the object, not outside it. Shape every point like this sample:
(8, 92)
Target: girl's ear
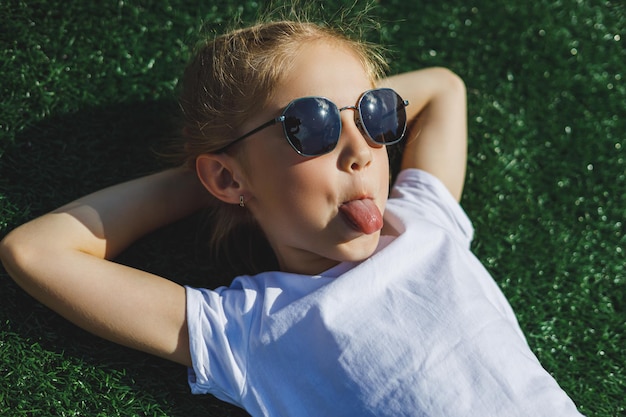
(216, 172)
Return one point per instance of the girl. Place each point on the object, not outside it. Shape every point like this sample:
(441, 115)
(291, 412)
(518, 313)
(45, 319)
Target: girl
(377, 306)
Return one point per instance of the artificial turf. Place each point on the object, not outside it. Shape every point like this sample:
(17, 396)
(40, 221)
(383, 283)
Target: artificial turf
(87, 90)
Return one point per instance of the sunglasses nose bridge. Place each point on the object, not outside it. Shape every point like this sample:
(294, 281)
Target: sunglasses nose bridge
(348, 107)
(357, 120)
(359, 124)
(356, 114)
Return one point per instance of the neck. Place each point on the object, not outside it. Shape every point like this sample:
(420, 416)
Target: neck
(304, 266)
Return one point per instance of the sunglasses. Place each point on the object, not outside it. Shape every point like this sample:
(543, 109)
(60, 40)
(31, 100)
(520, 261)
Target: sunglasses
(312, 125)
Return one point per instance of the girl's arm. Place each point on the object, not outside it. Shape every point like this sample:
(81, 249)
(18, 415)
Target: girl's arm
(437, 137)
(62, 257)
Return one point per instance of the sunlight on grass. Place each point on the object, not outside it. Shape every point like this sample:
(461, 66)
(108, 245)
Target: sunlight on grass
(88, 90)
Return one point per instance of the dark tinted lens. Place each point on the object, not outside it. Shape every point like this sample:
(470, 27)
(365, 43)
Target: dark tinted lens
(383, 115)
(312, 125)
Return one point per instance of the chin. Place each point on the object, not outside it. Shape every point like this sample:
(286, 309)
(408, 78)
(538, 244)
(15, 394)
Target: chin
(359, 249)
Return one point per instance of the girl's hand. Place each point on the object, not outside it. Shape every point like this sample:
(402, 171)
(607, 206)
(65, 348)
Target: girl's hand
(61, 259)
(436, 140)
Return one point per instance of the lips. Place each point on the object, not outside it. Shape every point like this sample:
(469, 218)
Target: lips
(363, 215)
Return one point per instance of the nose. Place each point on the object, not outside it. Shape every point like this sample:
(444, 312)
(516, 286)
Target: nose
(355, 151)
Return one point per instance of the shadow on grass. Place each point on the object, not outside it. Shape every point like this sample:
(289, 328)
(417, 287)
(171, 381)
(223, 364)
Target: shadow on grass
(53, 162)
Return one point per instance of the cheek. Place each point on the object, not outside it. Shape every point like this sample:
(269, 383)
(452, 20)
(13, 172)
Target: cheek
(382, 156)
(281, 178)
(301, 196)
(381, 162)
(304, 185)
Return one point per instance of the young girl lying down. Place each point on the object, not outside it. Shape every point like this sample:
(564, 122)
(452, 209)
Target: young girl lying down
(377, 306)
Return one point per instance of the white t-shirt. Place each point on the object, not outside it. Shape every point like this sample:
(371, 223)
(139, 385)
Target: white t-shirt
(418, 329)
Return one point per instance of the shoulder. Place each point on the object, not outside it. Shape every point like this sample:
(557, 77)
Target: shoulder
(249, 296)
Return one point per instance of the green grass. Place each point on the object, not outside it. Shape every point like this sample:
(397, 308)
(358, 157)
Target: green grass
(86, 91)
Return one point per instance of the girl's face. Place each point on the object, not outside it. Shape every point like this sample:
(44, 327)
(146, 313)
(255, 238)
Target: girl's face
(317, 211)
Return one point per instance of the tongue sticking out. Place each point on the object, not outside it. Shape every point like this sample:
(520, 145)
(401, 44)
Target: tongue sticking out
(363, 215)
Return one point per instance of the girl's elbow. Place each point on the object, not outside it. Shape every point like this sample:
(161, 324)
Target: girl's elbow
(17, 252)
(452, 81)
(8, 250)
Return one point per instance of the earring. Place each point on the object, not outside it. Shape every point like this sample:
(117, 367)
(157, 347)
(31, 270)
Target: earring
(241, 203)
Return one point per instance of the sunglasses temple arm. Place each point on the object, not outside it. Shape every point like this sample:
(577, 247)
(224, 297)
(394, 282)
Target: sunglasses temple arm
(263, 126)
(269, 123)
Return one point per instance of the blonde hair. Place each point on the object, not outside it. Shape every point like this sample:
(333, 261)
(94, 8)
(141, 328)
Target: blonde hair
(229, 78)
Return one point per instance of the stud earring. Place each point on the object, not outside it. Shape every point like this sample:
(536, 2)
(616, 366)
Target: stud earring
(241, 203)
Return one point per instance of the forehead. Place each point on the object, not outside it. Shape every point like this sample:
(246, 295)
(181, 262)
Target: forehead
(328, 69)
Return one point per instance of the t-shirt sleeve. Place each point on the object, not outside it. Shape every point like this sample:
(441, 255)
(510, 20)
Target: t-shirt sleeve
(430, 200)
(218, 340)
